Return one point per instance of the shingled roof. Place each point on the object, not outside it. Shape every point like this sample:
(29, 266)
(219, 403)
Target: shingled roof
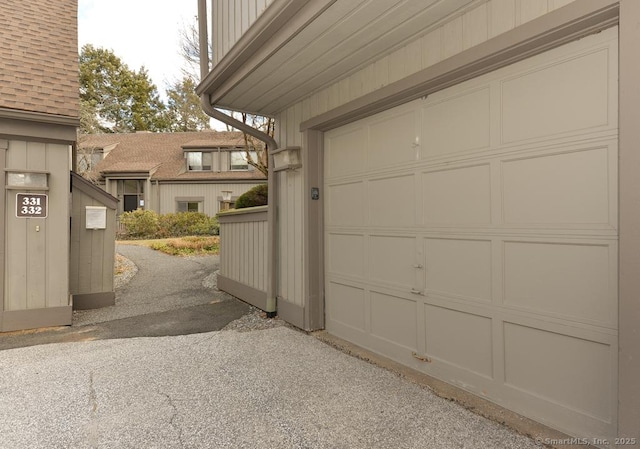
(39, 56)
(162, 154)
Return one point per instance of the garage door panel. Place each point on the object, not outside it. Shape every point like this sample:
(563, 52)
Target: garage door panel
(459, 338)
(347, 306)
(566, 96)
(456, 124)
(566, 188)
(389, 149)
(346, 152)
(392, 201)
(459, 268)
(394, 319)
(392, 260)
(460, 196)
(491, 260)
(574, 372)
(346, 204)
(569, 280)
(345, 253)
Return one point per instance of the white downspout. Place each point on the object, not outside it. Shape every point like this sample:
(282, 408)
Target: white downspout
(270, 142)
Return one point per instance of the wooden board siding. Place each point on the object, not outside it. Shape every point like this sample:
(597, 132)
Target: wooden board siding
(92, 251)
(232, 19)
(36, 259)
(243, 254)
(290, 226)
(212, 194)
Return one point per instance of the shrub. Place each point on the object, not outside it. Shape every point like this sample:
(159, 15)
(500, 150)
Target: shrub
(256, 196)
(147, 224)
(187, 223)
(140, 223)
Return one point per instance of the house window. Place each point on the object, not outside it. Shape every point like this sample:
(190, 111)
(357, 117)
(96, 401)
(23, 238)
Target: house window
(189, 206)
(199, 161)
(238, 160)
(131, 191)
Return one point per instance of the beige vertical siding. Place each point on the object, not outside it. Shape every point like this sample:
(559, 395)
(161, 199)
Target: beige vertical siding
(232, 18)
(467, 28)
(37, 264)
(291, 231)
(243, 247)
(212, 194)
(92, 251)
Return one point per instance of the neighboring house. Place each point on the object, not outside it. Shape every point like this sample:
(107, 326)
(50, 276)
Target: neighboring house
(39, 111)
(467, 203)
(170, 172)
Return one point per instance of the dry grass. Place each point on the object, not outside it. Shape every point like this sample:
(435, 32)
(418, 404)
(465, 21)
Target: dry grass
(181, 246)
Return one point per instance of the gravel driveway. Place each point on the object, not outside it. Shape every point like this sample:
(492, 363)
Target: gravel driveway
(276, 388)
(238, 388)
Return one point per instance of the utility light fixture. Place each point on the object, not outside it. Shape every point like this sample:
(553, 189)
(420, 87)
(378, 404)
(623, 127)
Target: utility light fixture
(287, 158)
(226, 199)
(226, 195)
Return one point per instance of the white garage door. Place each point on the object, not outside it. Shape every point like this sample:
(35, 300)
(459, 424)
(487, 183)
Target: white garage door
(472, 235)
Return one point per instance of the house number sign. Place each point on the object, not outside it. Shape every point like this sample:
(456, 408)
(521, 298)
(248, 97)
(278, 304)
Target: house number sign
(31, 205)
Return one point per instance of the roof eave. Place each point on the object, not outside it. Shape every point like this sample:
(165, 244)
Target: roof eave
(210, 180)
(280, 22)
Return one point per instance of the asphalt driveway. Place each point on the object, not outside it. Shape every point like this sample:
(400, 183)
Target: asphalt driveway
(273, 388)
(167, 296)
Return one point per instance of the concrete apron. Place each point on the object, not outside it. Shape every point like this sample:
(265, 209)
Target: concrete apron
(533, 429)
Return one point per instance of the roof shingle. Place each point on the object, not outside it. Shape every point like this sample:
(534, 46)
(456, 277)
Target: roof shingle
(39, 56)
(145, 151)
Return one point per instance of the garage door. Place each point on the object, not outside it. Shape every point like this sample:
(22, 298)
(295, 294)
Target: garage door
(472, 235)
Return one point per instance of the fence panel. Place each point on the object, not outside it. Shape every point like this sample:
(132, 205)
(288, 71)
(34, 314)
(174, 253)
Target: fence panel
(243, 254)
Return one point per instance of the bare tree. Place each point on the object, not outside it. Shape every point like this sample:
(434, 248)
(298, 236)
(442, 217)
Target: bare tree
(267, 126)
(190, 52)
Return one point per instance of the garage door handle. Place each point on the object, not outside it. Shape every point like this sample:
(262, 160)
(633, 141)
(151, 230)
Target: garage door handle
(417, 265)
(421, 357)
(417, 292)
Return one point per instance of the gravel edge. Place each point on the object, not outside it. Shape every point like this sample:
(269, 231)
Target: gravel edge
(127, 270)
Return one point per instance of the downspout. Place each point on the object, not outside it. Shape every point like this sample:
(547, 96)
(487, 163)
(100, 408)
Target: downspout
(269, 141)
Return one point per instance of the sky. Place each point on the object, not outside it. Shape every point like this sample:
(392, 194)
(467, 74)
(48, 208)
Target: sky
(140, 32)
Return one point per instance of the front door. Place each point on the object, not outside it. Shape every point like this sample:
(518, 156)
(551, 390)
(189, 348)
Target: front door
(130, 202)
(131, 191)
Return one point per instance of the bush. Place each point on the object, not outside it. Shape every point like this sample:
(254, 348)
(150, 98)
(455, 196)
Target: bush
(187, 223)
(147, 224)
(140, 224)
(256, 196)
